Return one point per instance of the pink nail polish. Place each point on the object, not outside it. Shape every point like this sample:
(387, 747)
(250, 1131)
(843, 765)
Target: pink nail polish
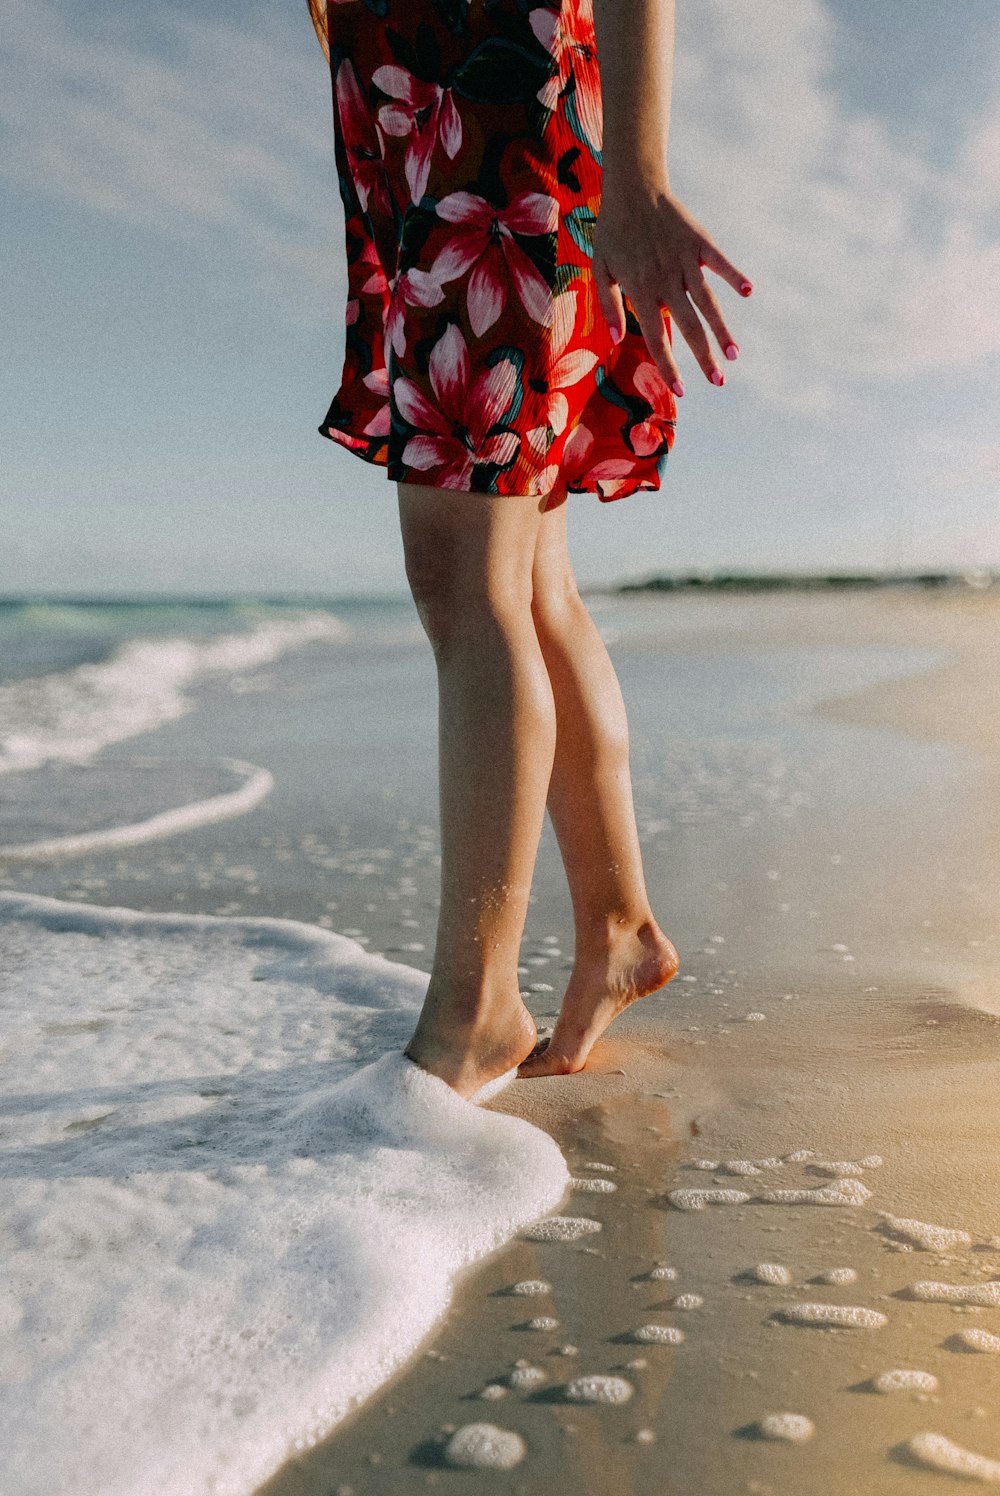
(718, 377)
(616, 336)
(732, 351)
(677, 387)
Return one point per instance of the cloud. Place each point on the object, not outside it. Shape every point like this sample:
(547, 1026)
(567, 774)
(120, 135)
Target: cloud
(873, 262)
(870, 262)
(204, 130)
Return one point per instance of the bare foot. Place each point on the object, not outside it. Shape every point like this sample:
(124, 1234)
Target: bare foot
(467, 1053)
(637, 962)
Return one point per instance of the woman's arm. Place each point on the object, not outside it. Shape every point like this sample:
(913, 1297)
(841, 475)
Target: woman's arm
(645, 240)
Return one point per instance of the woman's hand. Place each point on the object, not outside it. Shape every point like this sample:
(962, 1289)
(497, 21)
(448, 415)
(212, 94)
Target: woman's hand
(648, 244)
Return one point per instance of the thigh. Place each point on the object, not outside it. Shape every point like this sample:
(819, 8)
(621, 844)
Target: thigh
(469, 544)
(553, 579)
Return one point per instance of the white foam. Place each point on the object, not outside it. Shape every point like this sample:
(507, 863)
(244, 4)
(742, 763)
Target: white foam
(771, 1272)
(257, 786)
(602, 1168)
(935, 1452)
(904, 1380)
(837, 1275)
(691, 1199)
(921, 1234)
(843, 1316)
(593, 1186)
(985, 1295)
(739, 1166)
(72, 714)
(661, 1273)
(232, 1207)
(687, 1301)
(840, 1192)
(543, 1322)
(794, 1428)
(658, 1335)
(599, 1389)
(525, 1378)
(528, 1287)
(980, 1340)
(483, 1446)
(562, 1228)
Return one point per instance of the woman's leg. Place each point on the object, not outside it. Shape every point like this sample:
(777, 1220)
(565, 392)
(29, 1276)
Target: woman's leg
(621, 952)
(469, 563)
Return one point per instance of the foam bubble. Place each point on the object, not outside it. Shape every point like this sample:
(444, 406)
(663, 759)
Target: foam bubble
(493, 1392)
(935, 1452)
(483, 1446)
(707, 1165)
(871, 1161)
(562, 1228)
(844, 1316)
(691, 1199)
(837, 1275)
(794, 1428)
(739, 1166)
(900, 1380)
(687, 1301)
(593, 1186)
(322, 1178)
(985, 1295)
(842, 1167)
(599, 1389)
(658, 1335)
(799, 1156)
(661, 1274)
(755, 1017)
(920, 1234)
(840, 1192)
(543, 1322)
(525, 1378)
(980, 1340)
(601, 1168)
(530, 1286)
(771, 1272)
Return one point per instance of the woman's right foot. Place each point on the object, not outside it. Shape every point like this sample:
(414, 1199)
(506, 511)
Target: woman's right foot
(636, 962)
(467, 1054)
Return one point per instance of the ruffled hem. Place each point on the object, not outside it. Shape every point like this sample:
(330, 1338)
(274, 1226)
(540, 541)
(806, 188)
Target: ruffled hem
(376, 452)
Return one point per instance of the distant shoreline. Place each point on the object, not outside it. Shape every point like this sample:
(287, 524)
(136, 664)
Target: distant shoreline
(819, 581)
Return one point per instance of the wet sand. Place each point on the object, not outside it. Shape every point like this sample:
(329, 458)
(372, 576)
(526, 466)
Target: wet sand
(867, 941)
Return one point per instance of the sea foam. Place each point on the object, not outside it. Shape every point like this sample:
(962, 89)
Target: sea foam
(230, 1206)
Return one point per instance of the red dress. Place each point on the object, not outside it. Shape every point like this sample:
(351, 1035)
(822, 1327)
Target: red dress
(468, 150)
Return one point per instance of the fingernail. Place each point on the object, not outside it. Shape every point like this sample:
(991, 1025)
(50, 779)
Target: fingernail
(746, 288)
(732, 351)
(616, 336)
(717, 376)
(677, 387)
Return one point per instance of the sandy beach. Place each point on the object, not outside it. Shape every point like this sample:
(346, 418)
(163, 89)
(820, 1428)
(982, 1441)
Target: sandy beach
(821, 843)
(887, 1047)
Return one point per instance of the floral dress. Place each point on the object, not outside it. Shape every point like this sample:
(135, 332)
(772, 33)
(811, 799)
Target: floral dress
(468, 150)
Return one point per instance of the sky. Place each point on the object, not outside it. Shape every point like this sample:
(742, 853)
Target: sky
(172, 288)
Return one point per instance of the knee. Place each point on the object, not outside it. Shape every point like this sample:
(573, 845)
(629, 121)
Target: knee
(454, 599)
(557, 607)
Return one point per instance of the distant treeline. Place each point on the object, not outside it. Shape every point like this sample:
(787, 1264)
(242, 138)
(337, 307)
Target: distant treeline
(763, 582)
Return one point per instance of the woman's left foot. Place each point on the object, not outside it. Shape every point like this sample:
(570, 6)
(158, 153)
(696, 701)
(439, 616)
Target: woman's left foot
(636, 963)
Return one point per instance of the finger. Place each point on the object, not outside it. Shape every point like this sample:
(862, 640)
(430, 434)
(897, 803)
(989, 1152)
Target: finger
(609, 296)
(704, 298)
(716, 260)
(689, 326)
(657, 340)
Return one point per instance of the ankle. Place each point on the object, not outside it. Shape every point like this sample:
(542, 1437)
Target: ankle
(606, 934)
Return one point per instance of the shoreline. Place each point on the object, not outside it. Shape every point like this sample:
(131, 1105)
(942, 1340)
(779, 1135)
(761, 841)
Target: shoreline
(844, 1080)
